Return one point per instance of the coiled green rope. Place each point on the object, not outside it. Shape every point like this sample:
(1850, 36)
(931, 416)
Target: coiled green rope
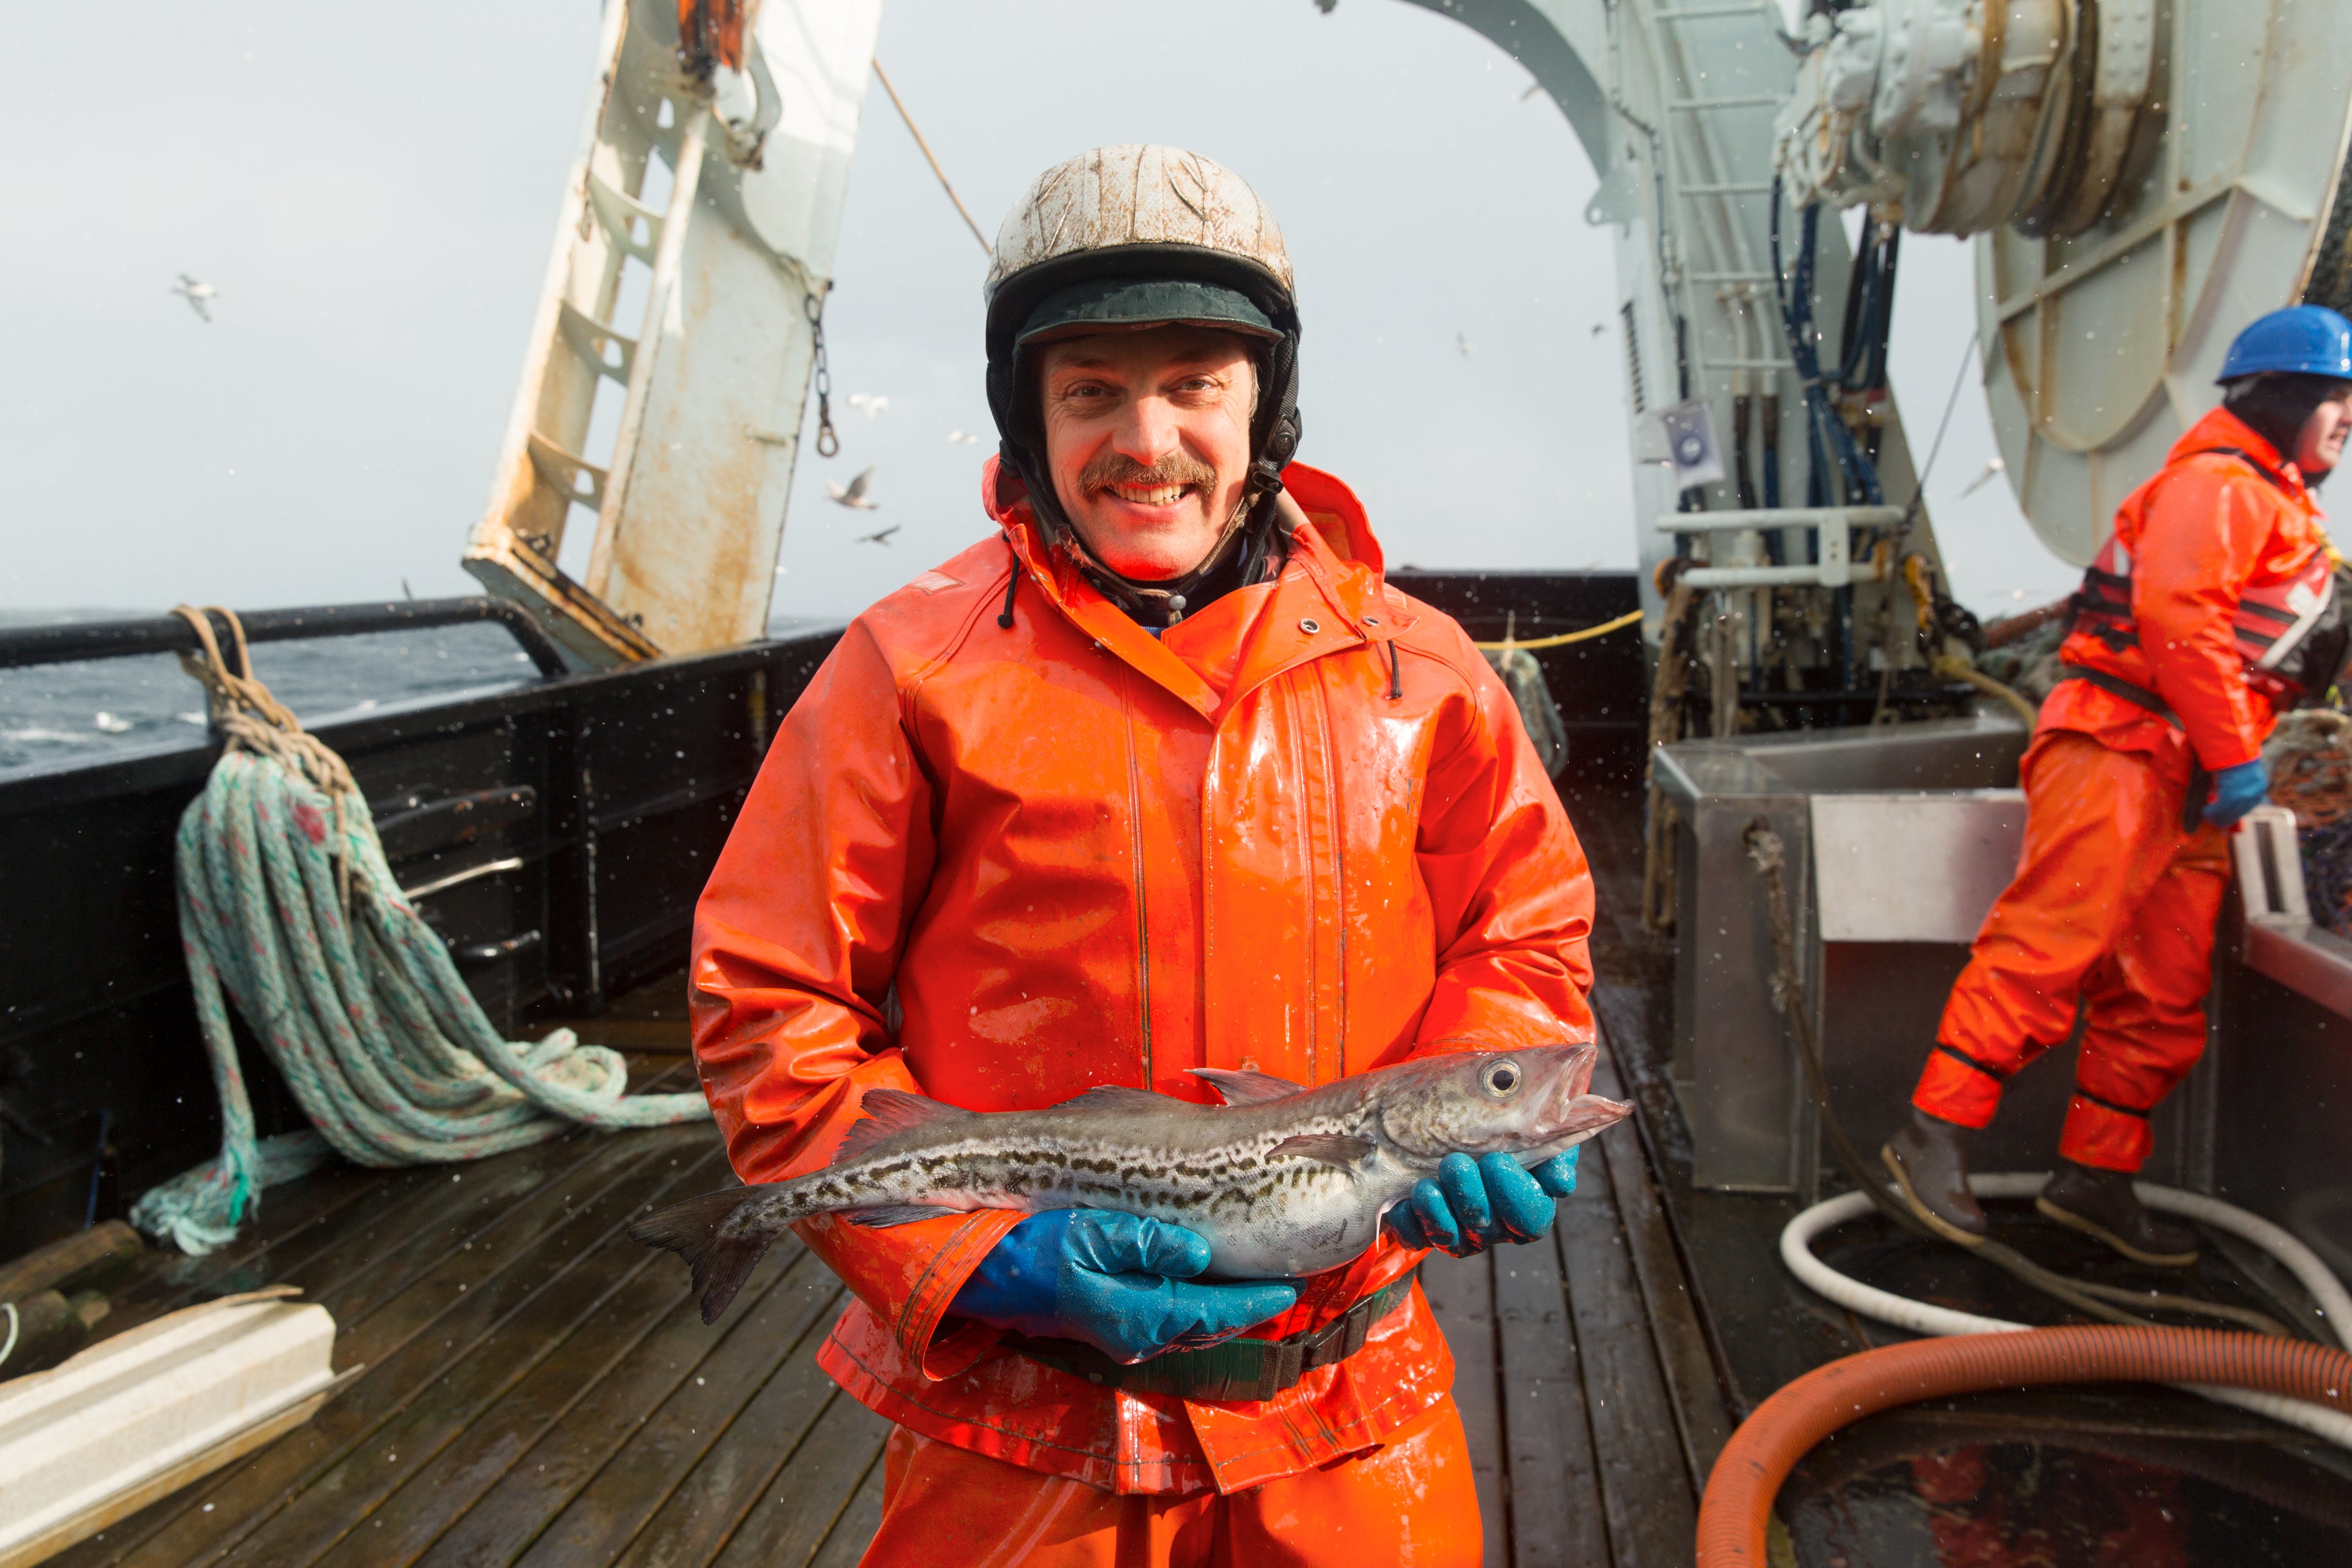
(287, 907)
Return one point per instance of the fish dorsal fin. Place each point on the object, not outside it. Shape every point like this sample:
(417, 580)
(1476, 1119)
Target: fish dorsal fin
(888, 1112)
(1248, 1086)
(1120, 1097)
(1340, 1149)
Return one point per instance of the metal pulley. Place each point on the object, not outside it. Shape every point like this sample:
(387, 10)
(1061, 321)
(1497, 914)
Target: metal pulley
(1968, 114)
(2146, 176)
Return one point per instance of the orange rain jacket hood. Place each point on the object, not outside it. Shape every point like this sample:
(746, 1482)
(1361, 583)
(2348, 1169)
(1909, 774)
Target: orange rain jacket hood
(1304, 831)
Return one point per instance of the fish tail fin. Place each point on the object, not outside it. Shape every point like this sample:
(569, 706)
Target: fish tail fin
(696, 1230)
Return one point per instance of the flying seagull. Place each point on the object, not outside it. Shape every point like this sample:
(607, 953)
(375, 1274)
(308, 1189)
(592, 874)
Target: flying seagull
(1462, 341)
(1992, 467)
(195, 292)
(855, 496)
(959, 439)
(868, 402)
(879, 536)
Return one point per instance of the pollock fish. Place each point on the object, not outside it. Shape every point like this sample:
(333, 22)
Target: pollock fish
(1280, 1180)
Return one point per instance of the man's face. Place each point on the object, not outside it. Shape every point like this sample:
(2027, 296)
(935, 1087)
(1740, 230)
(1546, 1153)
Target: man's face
(1147, 437)
(2321, 445)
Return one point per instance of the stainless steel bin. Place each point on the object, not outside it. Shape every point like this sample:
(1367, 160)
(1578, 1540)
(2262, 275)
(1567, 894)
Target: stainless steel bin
(1898, 840)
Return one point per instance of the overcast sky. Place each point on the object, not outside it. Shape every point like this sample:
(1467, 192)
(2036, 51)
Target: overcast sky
(371, 189)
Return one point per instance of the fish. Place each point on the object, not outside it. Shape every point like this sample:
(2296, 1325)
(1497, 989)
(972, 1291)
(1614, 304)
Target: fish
(1280, 1180)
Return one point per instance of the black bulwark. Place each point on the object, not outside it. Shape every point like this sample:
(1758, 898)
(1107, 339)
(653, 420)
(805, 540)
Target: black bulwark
(556, 834)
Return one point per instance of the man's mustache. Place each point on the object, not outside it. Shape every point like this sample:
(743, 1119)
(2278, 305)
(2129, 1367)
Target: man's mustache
(1178, 467)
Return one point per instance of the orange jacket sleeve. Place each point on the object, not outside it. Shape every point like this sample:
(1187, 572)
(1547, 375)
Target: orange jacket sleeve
(1508, 886)
(2205, 530)
(795, 940)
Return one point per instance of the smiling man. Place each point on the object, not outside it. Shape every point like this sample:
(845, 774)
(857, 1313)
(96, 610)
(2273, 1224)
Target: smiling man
(1160, 775)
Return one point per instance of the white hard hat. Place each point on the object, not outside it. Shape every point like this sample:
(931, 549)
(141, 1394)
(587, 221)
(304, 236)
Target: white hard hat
(1138, 194)
(1132, 236)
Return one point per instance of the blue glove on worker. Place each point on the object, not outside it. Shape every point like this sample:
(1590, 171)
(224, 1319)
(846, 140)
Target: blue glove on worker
(1118, 1282)
(1473, 1205)
(2237, 790)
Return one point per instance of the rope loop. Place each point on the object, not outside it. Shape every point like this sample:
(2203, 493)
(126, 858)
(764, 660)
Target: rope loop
(354, 999)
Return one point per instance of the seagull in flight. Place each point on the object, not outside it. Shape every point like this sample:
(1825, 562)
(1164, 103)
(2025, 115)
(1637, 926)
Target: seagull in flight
(879, 536)
(196, 292)
(1462, 341)
(868, 402)
(1992, 465)
(958, 438)
(854, 497)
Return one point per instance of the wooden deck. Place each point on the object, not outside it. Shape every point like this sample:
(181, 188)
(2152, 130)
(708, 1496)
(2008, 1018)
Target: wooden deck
(539, 1390)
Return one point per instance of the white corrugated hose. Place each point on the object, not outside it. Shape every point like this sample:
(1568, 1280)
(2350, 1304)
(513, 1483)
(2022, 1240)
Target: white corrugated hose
(1920, 1318)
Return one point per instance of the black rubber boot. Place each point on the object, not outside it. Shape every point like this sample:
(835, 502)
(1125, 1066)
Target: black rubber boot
(1929, 1160)
(2102, 1204)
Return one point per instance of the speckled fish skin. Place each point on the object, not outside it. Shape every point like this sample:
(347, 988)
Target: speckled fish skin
(1281, 1180)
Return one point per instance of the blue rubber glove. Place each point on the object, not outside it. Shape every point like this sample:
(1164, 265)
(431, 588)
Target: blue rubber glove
(1473, 1205)
(1115, 1281)
(2237, 790)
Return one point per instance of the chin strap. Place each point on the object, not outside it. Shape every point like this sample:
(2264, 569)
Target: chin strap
(1253, 544)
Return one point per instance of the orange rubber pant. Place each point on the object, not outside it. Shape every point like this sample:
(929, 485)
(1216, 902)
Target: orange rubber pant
(2112, 908)
(1409, 1501)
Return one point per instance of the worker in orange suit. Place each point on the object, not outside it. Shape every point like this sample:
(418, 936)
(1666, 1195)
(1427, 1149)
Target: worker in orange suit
(2214, 605)
(1160, 774)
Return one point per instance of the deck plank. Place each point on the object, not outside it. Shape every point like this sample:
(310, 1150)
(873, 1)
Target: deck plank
(730, 1478)
(1555, 1494)
(775, 1347)
(510, 1514)
(1646, 1492)
(406, 1343)
(302, 1220)
(1693, 1385)
(336, 1502)
(433, 1498)
(1461, 1292)
(854, 1531)
(402, 1204)
(794, 1518)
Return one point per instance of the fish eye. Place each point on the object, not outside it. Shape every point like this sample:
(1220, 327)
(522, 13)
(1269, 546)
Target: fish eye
(1501, 1078)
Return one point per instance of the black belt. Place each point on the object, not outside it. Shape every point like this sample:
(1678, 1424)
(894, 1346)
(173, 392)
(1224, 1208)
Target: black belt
(2200, 783)
(1234, 1371)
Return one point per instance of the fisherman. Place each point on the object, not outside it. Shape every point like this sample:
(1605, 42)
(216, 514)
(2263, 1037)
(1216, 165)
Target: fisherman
(1159, 775)
(2213, 606)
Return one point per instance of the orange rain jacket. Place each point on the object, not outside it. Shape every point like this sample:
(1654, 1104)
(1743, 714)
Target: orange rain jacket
(2204, 530)
(1304, 831)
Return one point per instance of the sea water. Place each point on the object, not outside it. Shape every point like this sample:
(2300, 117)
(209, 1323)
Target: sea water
(73, 715)
(66, 715)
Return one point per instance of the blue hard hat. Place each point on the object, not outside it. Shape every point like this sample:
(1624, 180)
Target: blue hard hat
(2309, 339)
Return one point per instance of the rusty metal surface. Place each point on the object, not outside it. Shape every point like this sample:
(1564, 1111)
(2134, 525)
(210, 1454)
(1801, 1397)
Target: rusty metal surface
(735, 259)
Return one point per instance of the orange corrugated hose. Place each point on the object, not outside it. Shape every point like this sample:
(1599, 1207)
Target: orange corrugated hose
(1738, 1509)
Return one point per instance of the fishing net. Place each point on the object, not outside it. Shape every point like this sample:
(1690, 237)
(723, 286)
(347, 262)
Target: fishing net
(2309, 758)
(2029, 665)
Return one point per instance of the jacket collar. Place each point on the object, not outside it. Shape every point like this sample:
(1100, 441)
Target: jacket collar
(1330, 584)
(2223, 428)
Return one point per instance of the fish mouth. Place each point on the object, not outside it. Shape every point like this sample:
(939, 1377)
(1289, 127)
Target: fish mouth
(1574, 1084)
